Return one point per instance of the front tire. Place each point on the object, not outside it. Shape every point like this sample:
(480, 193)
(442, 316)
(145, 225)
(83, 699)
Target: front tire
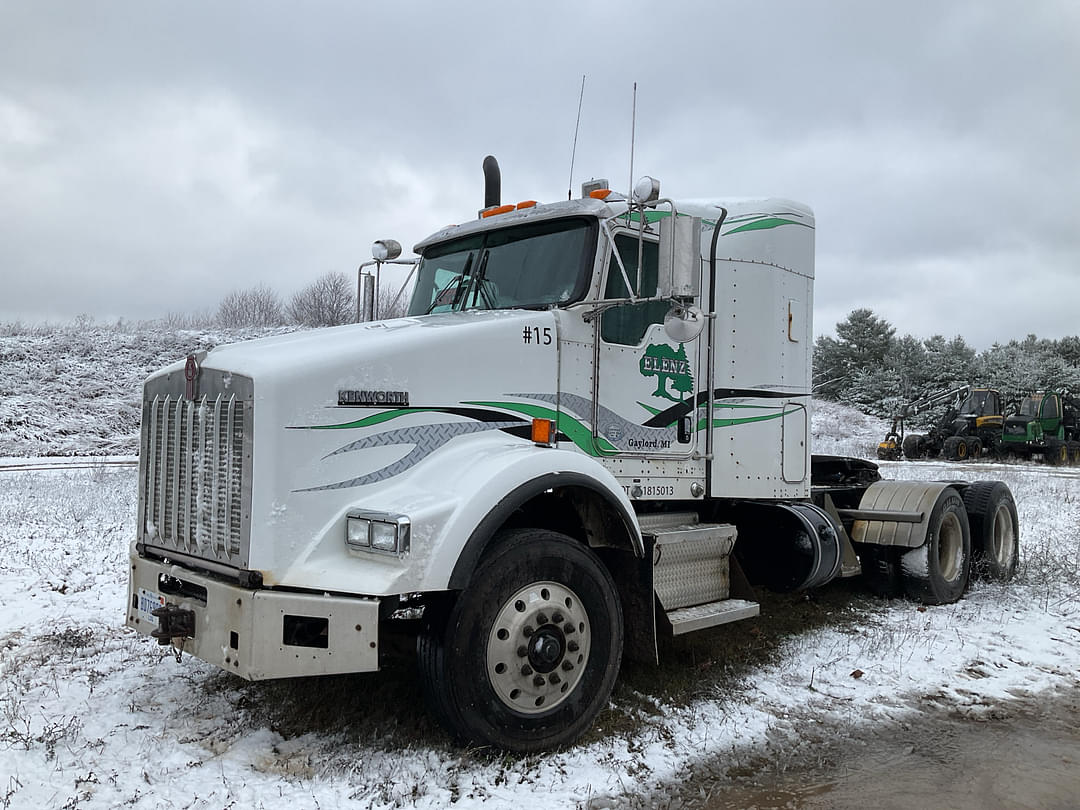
(530, 650)
(937, 572)
(995, 529)
(914, 446)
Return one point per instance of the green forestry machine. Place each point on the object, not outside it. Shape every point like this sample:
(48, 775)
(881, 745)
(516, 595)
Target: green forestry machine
(1046, 424)
(971, 426)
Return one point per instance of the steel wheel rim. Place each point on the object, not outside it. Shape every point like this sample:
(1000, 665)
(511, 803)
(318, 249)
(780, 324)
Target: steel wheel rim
(537, 647)
(950, 547)
(1004, 537)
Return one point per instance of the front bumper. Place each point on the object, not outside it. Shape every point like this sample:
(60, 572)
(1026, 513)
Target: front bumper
(258, 634)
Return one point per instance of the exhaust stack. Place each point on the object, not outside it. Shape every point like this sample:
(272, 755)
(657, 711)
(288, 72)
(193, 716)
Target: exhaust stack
(492, 183)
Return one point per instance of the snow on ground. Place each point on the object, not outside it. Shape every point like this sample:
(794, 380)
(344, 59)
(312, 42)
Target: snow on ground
(839, 430)
(92, 716)
(74, 389)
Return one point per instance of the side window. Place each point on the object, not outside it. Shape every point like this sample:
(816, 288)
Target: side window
(627, 324)
(1050, 408)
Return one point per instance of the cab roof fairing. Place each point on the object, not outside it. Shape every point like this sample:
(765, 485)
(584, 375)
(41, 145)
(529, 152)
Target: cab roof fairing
(596, 209)
(709, 209)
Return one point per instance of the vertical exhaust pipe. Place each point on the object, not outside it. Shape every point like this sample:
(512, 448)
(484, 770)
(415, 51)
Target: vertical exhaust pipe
(492, 183)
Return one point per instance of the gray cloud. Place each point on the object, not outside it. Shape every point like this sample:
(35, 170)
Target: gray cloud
(154, 155)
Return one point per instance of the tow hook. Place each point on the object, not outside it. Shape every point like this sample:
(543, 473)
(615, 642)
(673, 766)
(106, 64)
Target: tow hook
(173, 622)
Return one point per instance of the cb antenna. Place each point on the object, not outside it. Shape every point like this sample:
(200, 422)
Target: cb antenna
(573, 150)
(633, 126)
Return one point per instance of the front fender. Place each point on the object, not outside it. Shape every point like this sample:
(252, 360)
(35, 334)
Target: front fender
(455, 500)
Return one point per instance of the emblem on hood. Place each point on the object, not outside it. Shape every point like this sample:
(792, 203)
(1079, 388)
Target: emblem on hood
(373, 399)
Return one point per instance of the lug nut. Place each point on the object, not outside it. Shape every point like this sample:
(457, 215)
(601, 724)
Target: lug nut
(554, 678)
(522, 651)
(539, 680)
(568, 628)
(541, 618)
(556, 618)
(528, 631)
(526, 670)
(572, 646)
(567, 666)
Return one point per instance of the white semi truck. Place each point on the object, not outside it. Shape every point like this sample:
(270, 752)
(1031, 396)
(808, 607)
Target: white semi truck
(591, 428)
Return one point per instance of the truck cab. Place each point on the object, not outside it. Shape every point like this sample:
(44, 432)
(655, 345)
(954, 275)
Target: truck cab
(591, 427)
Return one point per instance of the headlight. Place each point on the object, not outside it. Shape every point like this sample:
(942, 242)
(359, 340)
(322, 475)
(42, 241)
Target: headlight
(377, 531)
(358, 532)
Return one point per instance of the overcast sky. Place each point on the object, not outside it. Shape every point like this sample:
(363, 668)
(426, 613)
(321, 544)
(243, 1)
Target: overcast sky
(156, 155)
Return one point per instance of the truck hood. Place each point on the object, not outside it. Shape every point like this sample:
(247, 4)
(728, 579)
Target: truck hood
(434, 360)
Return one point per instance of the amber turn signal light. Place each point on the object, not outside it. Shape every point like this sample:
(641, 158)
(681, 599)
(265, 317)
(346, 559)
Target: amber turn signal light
(543, 432)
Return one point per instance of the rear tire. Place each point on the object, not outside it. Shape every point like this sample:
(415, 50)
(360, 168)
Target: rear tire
(1056, 453)
(995, 529)
(539, 593)
(974, 447)
(955, 448)
(881, 569)
(937, 572)
(1074, 453)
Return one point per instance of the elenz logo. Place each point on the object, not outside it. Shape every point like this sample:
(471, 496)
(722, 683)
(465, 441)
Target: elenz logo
(670, 367)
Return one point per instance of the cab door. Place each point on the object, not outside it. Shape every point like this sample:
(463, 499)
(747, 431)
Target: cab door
(646, 384)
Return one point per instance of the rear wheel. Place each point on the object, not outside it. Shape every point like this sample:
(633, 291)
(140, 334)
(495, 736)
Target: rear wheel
(1074, 452)
(955, 448)
(530, 650)
(937, 572)
(995, 529)
(1056, 453)
(974, 447)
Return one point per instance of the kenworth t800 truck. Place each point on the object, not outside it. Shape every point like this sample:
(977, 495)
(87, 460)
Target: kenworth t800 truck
(591, 429)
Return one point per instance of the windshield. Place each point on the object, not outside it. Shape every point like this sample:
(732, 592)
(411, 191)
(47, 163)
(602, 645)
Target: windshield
(980, 403)
(1030, 406)
(531, 266)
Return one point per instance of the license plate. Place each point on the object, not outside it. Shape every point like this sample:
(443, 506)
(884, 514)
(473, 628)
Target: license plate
(149, 601)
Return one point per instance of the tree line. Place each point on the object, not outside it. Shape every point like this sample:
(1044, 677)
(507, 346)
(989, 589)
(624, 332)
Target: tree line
(330, 300)
(866, 365)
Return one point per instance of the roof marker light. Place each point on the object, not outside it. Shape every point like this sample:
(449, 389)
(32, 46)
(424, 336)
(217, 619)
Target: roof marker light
(526, 204)
(600, 193)
(499, 209)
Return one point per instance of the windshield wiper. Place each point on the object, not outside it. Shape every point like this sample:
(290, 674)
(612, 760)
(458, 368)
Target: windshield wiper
(458, 279)
(478, 283)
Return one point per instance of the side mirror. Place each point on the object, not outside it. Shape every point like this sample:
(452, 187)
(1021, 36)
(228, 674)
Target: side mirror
(680, 257)
(385, 250)
(683, 324)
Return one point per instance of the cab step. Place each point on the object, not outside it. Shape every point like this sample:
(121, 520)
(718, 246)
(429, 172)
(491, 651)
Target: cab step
(690, 563)
(689, 619)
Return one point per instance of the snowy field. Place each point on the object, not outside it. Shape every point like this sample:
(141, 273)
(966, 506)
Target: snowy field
(93, 717)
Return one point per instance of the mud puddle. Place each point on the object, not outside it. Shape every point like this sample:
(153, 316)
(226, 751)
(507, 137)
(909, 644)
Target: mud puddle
(1026, 756)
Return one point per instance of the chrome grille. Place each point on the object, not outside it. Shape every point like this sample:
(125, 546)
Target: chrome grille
(195, 466)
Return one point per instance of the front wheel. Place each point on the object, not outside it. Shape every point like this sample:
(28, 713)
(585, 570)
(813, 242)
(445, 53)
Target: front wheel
(937, 572)
(914, 446)
(529, 652)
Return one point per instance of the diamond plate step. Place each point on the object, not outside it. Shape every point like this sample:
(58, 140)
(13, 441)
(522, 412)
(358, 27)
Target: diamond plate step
(687, 620)
(690, 564)
(666, 520)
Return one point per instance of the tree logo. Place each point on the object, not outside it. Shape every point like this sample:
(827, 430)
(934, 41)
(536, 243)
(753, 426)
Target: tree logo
(670, 367)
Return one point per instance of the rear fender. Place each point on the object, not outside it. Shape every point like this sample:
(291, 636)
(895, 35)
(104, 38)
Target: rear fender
(898, 496)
